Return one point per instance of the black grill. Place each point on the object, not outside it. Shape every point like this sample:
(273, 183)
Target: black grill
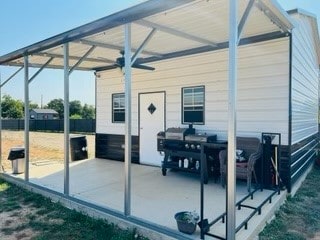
(182, 150)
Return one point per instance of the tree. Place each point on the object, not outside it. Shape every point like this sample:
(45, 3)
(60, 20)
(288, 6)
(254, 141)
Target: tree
(75, 108)
(33, 105)
(57, 105)
(88, 112)
(75, 116)
(11, 108)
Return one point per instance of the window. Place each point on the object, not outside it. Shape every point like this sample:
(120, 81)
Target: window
(118, 108)
(193, 105)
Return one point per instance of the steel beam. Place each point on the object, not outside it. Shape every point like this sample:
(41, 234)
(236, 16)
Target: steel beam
(40, 70)
(26, 116)
(66, 118)
(143, 45)
(175, 32)
(54, 55)
(15, 73)
(82, 59)
(115, 47)
(273, 18)
(127, 152)
(244, 19)
(232, 120)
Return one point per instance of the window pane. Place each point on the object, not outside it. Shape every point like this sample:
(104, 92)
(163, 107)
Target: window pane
(193, 117)
(193, 105)
(118, 114)
(118, 117)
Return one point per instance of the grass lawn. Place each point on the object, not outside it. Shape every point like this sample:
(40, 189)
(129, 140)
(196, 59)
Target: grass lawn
(299, 217)
(26, 215)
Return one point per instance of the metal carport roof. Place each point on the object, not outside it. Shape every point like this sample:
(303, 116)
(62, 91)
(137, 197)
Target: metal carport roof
(153, 31)
(175, 28)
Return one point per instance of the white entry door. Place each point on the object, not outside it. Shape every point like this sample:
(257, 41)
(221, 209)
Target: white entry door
(151, 112)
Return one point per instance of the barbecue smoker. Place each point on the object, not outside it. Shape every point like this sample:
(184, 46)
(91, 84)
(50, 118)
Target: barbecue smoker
(182, 150)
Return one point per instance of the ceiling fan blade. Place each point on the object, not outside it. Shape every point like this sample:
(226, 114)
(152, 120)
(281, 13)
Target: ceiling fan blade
(143, 67)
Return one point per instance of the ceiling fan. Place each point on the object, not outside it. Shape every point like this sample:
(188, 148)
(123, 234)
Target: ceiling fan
(120, 61)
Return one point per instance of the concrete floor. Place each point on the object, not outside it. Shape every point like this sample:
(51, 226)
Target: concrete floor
(155, 198)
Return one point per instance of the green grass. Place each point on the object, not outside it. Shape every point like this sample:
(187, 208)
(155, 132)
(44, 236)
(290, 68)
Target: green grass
(50, 220)
(299, 217)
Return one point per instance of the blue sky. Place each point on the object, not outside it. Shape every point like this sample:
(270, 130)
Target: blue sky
(25, 22)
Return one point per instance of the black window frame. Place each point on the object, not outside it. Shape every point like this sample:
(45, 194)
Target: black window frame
(193, 106)
(114, 119)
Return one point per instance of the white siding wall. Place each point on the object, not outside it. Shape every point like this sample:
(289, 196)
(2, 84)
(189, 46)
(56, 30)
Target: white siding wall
(305, 80)
(263, 90)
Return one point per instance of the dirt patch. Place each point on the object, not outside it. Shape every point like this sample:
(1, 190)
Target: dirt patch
(9, 224)
(43, 146)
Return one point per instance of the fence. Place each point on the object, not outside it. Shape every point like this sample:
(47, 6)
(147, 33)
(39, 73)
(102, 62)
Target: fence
(54, 125)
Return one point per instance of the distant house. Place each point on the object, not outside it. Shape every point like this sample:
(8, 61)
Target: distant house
(43, 114)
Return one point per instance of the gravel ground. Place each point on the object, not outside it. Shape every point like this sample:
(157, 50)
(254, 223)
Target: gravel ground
(43, 146)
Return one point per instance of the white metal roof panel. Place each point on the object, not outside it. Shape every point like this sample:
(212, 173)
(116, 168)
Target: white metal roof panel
(181, 25)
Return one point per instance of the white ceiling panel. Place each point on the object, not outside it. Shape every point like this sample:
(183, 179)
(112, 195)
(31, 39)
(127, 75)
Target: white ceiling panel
(194, 25)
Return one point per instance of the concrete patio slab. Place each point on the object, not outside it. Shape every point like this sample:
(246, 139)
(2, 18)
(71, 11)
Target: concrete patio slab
(155, 198)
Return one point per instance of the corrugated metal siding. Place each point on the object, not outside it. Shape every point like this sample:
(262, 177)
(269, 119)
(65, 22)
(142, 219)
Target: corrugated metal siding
(263, 90)
(305, 80)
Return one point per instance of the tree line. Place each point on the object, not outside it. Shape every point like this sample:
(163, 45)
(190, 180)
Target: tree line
(14, 109)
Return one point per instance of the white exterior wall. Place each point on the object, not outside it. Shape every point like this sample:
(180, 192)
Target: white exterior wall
(263, 90)
(305, 81)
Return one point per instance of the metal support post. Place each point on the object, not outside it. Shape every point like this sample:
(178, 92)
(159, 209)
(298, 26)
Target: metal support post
(66, 117)
(1, 167)
(232, 109)
(1, 85)
(26, 117)
(127, 154)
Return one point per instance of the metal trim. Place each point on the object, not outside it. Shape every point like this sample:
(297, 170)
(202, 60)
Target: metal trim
(290, 114)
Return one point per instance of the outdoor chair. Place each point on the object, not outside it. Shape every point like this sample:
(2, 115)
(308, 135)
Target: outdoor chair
(245, 166)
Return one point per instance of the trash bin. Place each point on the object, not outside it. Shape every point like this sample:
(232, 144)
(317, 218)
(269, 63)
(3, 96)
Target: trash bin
(16, 156)
(78, 146)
